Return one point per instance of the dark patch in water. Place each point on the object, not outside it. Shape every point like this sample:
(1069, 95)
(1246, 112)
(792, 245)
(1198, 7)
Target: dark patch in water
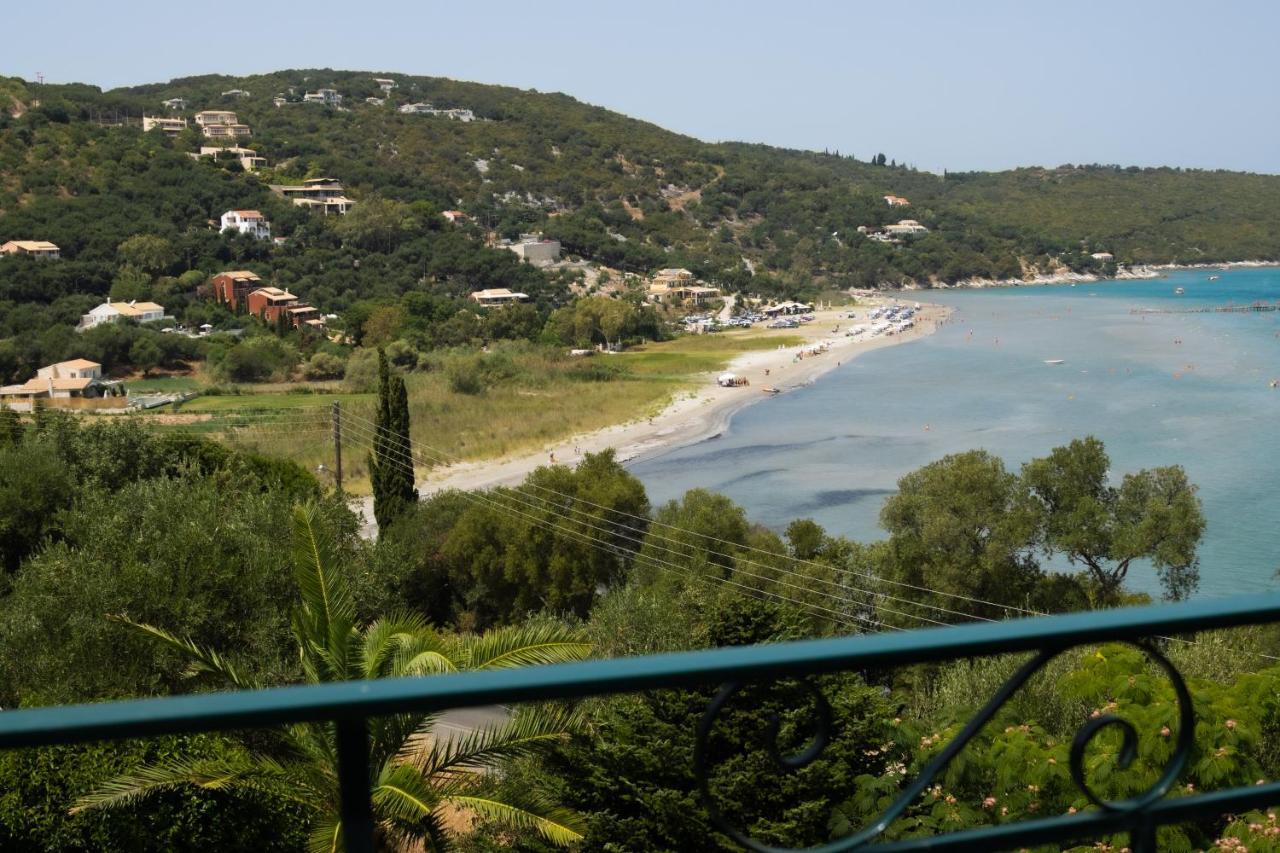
(754, 475)
(839, 497)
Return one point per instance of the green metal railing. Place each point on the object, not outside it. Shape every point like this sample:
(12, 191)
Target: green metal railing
(349, 704)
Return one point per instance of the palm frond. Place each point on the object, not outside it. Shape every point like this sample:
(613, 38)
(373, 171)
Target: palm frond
(484, 747)
(554, 823)
(403, 796)
(210, 774)
(328, 614)
(326, 835)
(525, 645)
(385, 641)
(203, 661)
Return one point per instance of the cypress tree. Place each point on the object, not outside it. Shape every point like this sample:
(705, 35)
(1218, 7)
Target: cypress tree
(390, 465)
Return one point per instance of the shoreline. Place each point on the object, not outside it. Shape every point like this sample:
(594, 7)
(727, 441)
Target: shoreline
(1139, 272)
(693, 415)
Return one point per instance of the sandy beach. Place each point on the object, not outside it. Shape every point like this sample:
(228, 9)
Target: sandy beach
(699, 413)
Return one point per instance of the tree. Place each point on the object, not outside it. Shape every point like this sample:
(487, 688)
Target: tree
(417, 777)
(391, 464)
(961, 526)
(147, 252)
(34, 487)
(383, 326)
(10, 427)
(1154, 514)
(130, 284)
(146, 354)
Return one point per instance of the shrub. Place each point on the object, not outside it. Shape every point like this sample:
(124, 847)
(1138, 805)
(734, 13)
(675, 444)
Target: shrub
(361, 374)
(323, 365)
(466, 376)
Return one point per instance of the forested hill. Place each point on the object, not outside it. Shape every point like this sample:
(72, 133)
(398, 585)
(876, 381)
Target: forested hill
(613, 189)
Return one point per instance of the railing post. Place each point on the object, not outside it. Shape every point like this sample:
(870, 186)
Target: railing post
(337, 446)
(353, 785)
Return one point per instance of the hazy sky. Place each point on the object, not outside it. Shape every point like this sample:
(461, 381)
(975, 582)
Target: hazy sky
(955, 85)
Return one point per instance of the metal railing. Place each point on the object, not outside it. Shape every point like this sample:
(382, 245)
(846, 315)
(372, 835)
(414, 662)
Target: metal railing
(349, 704)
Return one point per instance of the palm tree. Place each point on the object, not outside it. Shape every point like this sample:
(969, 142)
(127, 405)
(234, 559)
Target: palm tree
(420, 778)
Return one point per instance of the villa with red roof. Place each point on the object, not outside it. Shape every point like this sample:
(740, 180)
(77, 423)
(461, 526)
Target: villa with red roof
(249, 222)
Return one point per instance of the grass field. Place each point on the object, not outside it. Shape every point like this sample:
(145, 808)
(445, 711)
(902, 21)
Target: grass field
(539, 396)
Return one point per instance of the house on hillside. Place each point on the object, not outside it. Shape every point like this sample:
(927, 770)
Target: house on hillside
(269, 304)
(175, 104)
(424, 109)
(233, 286)
(386, 84)
(76, 378)
(535, 249)
(249, 222)
(1103, 256)
(679, 285)
(906, 228)
(375, 102)
(455, 216)
(498, 296)
(896, 201)
(114, 312)
(249, 159)
(32, 248)
(325, 195)
(235, 93)
(328, 97)
(167, 126)
(221, 124)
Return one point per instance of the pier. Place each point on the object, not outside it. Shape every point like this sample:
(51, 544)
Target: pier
(1251, 308)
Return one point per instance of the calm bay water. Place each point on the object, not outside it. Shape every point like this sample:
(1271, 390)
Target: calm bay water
(1191, 389)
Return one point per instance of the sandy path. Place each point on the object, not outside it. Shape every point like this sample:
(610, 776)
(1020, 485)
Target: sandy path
(694, 415)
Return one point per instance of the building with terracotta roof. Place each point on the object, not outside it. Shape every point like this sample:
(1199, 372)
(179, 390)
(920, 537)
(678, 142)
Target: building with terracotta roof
(249, 222)
(896, 201)
(76, 378)
(32, 248)
(233, 286)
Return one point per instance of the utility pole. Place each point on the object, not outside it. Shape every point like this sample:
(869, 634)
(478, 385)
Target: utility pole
(337, 445)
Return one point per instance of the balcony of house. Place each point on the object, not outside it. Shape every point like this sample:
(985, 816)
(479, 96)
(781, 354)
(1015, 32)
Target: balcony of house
(907, 806)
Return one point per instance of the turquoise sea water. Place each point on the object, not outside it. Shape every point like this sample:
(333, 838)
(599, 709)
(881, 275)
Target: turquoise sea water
(833, 450)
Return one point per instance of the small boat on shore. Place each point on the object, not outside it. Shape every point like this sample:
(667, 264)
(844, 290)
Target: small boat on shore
(770, 390)
(1055, 361)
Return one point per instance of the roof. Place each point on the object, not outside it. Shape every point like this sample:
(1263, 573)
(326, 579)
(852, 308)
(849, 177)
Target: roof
(301, 309)
(498, 293)
(131, 309)
(246, 214)
(237, 275)
(77, 363)
(273, 293)
(33, 245)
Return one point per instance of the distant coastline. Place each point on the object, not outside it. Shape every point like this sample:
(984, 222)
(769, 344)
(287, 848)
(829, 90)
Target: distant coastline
(1143, 271)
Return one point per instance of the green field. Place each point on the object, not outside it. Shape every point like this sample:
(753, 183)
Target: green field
(546, 398)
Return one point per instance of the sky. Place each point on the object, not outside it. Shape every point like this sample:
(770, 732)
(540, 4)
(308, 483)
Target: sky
(980, 84)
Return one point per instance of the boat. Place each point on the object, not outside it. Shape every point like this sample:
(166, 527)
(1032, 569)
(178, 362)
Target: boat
(1180, 290)
(1054, 361)
(1214, 277)
(769, 389)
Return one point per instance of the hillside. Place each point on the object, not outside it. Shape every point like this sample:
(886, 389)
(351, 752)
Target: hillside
(636, 196)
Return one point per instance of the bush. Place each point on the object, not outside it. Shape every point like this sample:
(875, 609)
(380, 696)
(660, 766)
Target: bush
(361, 374)
(466, 376)
(323, 365)
(259, 359)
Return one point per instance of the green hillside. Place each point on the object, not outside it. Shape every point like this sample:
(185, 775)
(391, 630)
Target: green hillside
(76, 169)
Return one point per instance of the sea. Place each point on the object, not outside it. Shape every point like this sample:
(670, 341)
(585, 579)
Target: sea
(1192, 389)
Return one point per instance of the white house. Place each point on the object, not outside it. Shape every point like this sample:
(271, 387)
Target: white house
(249, 222)
(536, 249)
(1103, 256)
(423, 109)
(386, 84)
(32, 248)
(113, 312)
(328, 97)
(249, 159)
(221, 124)
(235, 93)
(176, 104)
(167, 126)
(498, 296)
(76, 378)
(906, 228)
